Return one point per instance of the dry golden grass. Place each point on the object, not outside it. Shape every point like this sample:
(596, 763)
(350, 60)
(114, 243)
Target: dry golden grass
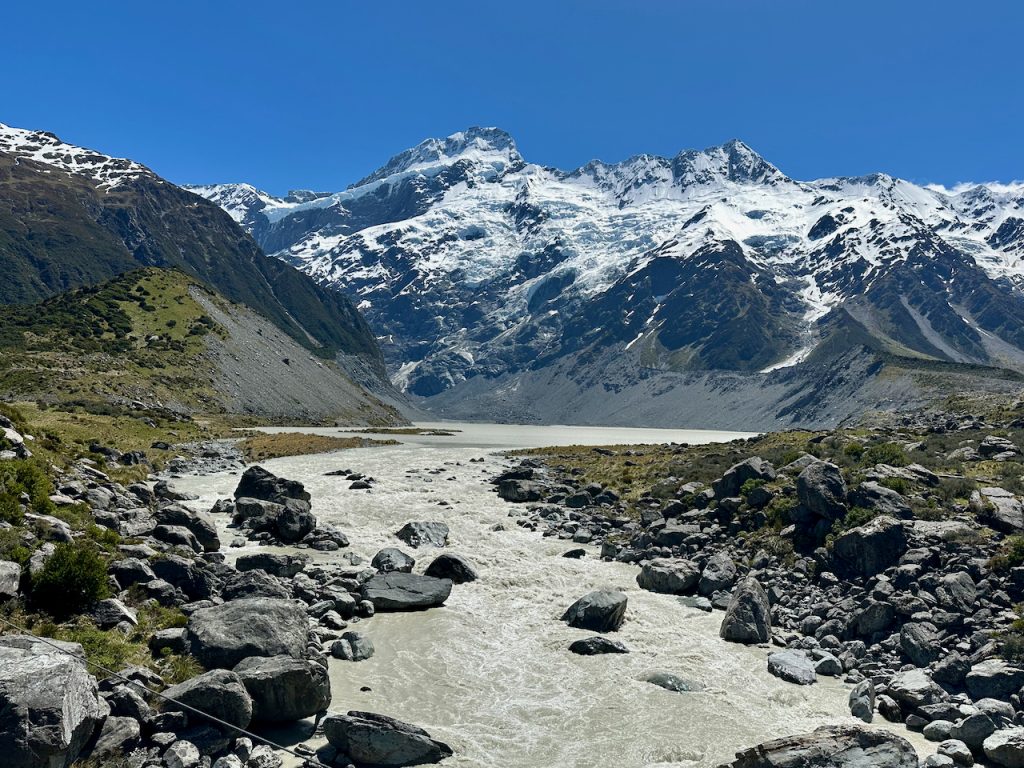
(261, 447)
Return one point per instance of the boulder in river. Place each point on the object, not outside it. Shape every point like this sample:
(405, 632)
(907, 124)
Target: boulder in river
(793, 666)
(405, 591)
(519, 491)
(421, 534)
(452, 566)
(718, 575)
(670, 577)
(593, 646)
(599, 611)
(284, 689)
(49, 703)
(748, 616)
(674, 683)
(258, 483)
(843, 746)
(219, 693)
(223, 635)
(862, 701)
(352, 646)
(393, 560)
(372, 739)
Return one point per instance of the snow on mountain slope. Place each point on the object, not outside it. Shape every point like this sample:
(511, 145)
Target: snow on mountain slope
(46, 148)
(470, 261)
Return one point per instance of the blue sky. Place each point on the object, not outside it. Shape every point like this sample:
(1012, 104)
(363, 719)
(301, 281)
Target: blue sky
(317, 94)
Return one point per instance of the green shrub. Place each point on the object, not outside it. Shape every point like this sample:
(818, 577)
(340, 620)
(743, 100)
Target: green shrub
(855, 518)
(749, 486)
(886, 453)
(24, 476)
(111, 649)
(854, 450)
(73, 580)
(1010, 555)
(897, 484)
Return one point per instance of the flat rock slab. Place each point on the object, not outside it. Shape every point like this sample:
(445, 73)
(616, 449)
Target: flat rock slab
(831, 747)
(377, 740)
(793, 667)
(405, 591)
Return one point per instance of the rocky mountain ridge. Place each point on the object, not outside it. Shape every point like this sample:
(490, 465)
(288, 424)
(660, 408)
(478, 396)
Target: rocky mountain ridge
(480, 272)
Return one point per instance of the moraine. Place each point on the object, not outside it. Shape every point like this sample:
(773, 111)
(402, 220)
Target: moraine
(489, 673)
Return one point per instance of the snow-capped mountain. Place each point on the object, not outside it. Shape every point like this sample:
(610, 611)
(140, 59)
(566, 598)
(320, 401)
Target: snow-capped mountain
(479, 270)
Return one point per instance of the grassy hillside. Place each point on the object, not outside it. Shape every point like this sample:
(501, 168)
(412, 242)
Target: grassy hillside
(143, 344)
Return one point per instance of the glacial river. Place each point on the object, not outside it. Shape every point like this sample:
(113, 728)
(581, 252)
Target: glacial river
(489, 672)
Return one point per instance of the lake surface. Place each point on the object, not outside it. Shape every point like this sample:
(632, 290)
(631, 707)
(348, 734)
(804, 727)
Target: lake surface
(489, 672)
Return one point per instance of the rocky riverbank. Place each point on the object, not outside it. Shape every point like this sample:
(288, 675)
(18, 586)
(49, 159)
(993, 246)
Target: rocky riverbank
(889, 558)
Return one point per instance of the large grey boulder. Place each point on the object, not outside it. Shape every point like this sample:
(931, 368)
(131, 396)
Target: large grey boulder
(913, 689)
(754, 468)
(352, 646)
(1006, 748)
(748, 616)
(284, 689)
(452, 566)
(599, 611)
(280, 565)
(594, 646)
(377, 740)
(999, 509)
(49, 703)
(520, 491)
(199, 523)
(118, 736)
(841, 746)
(994, 679)
(258, 483)
(885, 501)
(957, 592)
(219, 693)
(718, 575)
(397, 591)
(224, 635)
(421, 534)
(10, 579)
(822, 490)
(919, 642)
(670, 577)
(869, 549)
(393, 560)
(792, 666)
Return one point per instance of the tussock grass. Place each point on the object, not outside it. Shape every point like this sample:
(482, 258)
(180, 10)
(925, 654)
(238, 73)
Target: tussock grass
(261, 447)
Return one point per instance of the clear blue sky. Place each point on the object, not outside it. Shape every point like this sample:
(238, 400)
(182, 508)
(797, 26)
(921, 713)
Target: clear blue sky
(317, 94)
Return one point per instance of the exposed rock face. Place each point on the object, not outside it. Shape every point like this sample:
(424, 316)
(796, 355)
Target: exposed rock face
(283, 566)
(454, 567)
(397, 591)
(600, 611)
(219, 693)
(748, 616)
(719, 574)
(831, 747)
(671, 577)
(49, 703)
(377, 740)
(283, 688)
(222, 636)
(869, 549)
(422, 534)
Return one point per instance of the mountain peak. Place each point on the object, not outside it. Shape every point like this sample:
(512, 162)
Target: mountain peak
(485, 146)
(732, 161)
